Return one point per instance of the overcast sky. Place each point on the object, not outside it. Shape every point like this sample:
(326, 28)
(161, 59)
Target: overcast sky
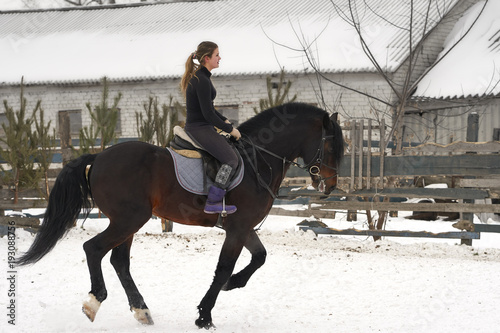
(32, 4)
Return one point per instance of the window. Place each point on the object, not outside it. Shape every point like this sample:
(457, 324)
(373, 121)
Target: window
(118, 128)
(496, 134)
(231, 112)
(75, 121)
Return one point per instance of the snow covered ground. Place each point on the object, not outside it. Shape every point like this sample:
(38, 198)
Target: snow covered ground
(308, 284)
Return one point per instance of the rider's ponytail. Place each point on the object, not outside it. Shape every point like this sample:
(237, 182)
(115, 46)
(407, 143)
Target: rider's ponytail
(204, 49)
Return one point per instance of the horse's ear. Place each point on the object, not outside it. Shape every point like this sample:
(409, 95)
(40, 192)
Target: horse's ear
(334, 117)
(327, 120)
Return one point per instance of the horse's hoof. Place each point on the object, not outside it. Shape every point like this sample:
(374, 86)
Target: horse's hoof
(91, 306)
(143, 316)
(201, 323)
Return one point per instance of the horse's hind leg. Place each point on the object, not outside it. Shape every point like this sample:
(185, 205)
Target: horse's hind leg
(254, 245)
(96, 248)
(120, 259)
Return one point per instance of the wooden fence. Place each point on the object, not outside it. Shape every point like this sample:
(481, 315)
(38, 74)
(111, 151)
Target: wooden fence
(369, 177)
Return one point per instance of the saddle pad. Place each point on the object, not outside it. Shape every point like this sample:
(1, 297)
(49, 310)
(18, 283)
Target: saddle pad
(190, 173)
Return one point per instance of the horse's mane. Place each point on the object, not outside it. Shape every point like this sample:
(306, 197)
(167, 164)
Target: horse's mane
(263, 119)
(301, 112)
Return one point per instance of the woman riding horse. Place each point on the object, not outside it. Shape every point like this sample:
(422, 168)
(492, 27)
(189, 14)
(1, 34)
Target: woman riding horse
(202, 117)
(131, 181)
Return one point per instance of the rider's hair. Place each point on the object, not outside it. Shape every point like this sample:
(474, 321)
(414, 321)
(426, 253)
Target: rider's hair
(204, 49)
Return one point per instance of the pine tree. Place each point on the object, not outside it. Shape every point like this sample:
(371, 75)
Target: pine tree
(46, 142)
(167, 122)
(157, 127)
(146, 126)
(88, 141)
(19, 147)
(283, 89)
(104, 119)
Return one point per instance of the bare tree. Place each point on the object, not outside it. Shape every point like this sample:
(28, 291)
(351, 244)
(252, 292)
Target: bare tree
(90, 2)
(35, 4)
(401, 86)
(102, 2)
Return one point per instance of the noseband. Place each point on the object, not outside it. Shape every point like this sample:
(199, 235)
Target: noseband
(313, 167)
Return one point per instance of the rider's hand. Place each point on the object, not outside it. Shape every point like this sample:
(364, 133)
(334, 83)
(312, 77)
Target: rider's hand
(235, 133)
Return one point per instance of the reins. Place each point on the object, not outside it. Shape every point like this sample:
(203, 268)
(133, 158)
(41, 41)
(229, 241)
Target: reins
(253, 163)
(312, 167)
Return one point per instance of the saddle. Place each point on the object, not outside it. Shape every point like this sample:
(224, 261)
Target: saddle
(184, 145)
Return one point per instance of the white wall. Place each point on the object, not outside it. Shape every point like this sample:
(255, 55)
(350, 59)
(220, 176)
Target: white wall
(447, 124)
(243, 91)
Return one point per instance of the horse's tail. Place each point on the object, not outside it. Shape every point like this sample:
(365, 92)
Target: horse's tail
(70, 194)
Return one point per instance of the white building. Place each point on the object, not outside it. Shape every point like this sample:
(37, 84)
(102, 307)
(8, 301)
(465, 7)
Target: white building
(464, 80)
(142, 48)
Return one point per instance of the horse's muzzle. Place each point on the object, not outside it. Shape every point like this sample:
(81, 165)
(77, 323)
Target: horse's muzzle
(321, 186)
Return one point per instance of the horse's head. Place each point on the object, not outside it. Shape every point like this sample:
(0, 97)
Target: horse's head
(324, 157)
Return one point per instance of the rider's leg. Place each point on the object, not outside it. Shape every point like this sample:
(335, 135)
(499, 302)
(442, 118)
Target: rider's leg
(217, 146)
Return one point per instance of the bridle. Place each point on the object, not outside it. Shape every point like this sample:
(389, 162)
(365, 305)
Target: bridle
(313, 167)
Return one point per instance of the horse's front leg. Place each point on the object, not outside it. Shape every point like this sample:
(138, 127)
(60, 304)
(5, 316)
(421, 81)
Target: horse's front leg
(254, 245)
(231, 250)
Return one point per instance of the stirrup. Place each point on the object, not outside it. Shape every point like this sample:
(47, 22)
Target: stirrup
(224, 211)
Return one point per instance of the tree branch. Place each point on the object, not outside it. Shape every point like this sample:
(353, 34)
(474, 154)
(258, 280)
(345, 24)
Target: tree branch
(75, 3)
(306, 50)
(368, 52)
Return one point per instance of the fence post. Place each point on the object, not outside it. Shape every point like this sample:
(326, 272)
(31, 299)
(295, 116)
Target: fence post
(64, 133)
(353, 152)
(369, 155)
(472, 127)
(382, 151)
(352, 214)
(167, 225)
(472, 136)
(360, 156)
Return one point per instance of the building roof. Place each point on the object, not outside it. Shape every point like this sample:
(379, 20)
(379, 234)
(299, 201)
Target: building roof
(472, 67)
(132, 42)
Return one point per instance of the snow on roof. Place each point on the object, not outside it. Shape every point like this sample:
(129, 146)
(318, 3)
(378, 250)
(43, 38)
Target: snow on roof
(472, 67)
(154, 40)
(20, 4)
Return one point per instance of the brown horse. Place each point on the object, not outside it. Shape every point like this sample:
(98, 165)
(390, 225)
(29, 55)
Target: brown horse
(131, 181)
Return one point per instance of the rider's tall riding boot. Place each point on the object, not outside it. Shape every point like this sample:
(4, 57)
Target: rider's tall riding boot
(216, 193)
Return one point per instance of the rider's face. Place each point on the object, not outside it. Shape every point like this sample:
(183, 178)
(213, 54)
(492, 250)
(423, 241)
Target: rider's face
(213, 61)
